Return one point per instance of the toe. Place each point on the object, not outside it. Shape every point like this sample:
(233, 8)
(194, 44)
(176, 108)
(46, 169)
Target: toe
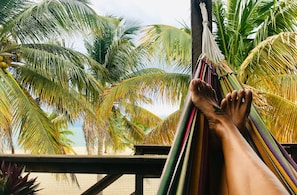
(248, 97)
(241, 96)
(224, 103)
(234, 95)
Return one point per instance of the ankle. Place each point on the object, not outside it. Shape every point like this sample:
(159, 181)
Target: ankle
(222, 127)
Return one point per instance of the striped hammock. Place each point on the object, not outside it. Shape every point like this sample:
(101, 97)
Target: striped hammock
(193, 165)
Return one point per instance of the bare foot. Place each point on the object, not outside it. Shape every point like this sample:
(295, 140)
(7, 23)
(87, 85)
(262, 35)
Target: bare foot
(205, 99)
(237, 106)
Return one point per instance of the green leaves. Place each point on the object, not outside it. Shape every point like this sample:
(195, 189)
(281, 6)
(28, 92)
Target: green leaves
(38, 21)
(241, 25)
(35, 129)
(271, 68)
(59, 77)
(168, 42)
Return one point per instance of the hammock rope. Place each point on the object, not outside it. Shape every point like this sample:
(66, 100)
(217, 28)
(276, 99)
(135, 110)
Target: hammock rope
(190, 169)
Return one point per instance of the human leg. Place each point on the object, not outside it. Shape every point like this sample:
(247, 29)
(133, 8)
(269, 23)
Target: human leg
(245, 172)
(237, 106)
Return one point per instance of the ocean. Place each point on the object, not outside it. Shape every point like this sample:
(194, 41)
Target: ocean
(78, 136)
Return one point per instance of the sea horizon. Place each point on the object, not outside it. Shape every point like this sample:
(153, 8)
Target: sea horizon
(78, 136)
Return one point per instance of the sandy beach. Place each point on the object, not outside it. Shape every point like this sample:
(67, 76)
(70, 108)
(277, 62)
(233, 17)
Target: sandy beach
(123, 186)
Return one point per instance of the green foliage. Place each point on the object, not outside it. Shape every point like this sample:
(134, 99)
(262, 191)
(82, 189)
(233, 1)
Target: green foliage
(44, 69)
(249, 34)
(120, 121)
(168, 43)
(270, 68)
(241, 25)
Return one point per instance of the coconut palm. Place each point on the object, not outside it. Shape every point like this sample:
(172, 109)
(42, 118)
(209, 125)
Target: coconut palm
(274, 62)
(39, 73)
(116, 51)
(240, 26)
(131, 93)
(173, 45)
(130, 84)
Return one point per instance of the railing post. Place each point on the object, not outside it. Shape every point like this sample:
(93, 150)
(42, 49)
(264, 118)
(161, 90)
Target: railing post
(138, 184)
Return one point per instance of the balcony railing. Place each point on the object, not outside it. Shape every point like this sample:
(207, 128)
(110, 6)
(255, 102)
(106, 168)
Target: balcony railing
(148, 162)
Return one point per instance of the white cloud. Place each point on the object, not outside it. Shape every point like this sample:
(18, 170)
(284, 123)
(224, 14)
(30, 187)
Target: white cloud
(170, 12)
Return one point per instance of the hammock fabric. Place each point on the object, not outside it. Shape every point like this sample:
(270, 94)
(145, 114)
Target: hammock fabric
(194, 165)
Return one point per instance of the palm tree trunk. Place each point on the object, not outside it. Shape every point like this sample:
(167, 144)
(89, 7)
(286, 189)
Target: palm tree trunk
(100, 152)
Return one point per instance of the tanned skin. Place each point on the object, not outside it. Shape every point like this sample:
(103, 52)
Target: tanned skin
(244, 173)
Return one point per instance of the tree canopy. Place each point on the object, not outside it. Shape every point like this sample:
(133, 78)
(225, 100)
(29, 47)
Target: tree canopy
(41, 73)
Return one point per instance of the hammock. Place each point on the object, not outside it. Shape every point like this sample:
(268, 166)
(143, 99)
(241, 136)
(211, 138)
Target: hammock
(193, 164)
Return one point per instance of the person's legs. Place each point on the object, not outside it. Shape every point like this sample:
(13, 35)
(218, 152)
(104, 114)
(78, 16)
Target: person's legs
(245, 172)
(237, 106)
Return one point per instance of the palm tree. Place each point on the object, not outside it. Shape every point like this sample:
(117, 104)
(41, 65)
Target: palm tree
(39, 73)
(274, 61)
(121, 118)
(130, 83)
(241, 26)
(173, 45)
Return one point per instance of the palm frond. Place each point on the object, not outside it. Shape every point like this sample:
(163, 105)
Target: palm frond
(116, 49)
(64, 66)
(67, 100)
(167, 87)
(280, 17)
(38, 21)
(5, 112)
(36, 132)
(140, 115)
(165, 131)
(128, 30)
(145, 71)
(282, 124)
(236, 22)
(6, 134)
(271, 63)
(97, 44)
(8, 8)
(121, 58)
(135, 131)
(168, 43)
(241, 25)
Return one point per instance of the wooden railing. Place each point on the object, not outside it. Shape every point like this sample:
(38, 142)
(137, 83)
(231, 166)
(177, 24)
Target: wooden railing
(143, 166)
(148, 162)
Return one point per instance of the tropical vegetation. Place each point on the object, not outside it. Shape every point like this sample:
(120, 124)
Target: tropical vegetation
(107, 88)
(258, 41)
(39, 74)
(114, 49)
(129, 84)
(12, 180)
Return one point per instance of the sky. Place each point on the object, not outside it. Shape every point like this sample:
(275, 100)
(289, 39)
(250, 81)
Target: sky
(170, 12)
